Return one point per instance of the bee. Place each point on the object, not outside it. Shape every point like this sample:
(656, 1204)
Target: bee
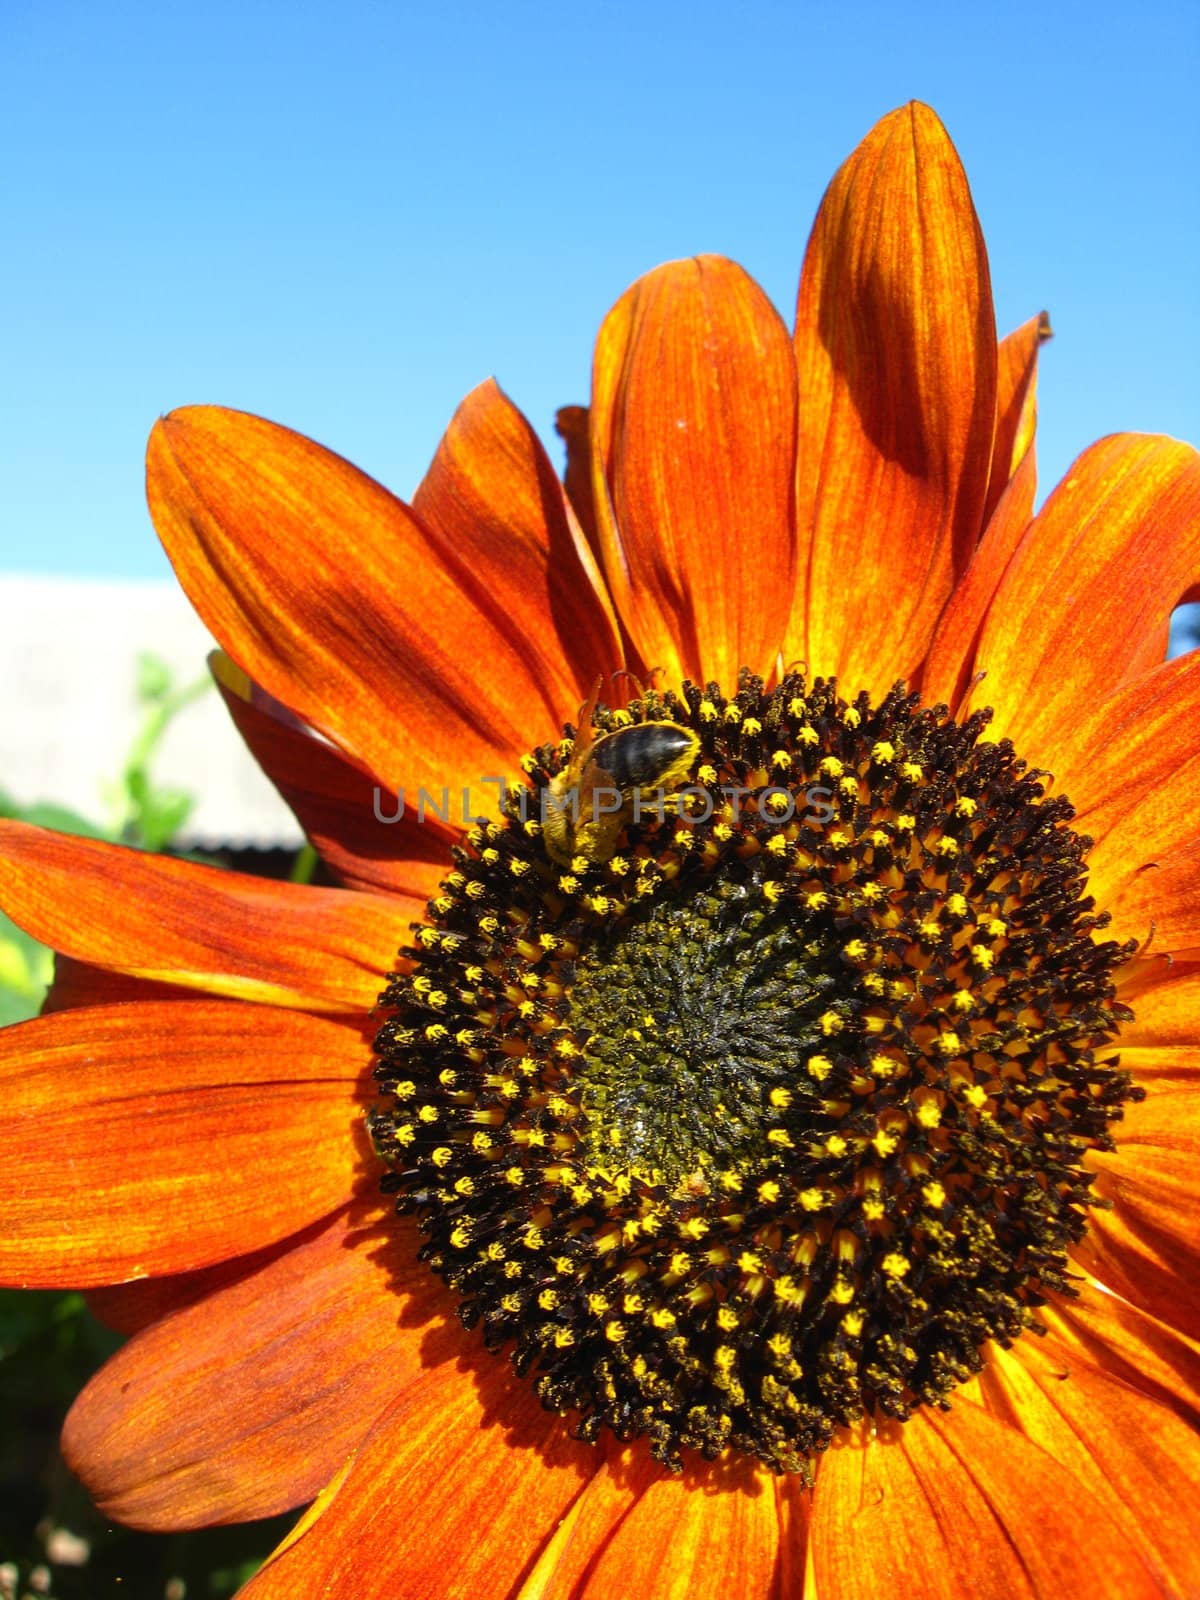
(597, 792)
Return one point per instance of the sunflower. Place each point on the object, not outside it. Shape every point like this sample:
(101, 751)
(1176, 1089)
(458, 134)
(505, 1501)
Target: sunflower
(773, 1179)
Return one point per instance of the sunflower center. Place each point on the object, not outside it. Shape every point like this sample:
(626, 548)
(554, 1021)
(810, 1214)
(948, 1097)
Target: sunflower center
(691, 1018)
(761, 1103)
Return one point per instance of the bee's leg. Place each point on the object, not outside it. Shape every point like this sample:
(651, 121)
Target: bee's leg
(624, 672)
(587, 713)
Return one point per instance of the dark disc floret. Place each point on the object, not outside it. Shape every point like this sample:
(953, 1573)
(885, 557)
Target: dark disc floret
(776, 1115)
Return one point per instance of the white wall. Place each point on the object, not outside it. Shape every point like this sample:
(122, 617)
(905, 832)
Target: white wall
(69, 711)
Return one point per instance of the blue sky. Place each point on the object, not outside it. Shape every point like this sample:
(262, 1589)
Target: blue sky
(344, 217)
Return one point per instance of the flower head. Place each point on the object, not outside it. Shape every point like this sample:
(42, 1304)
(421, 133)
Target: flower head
(731, 1125)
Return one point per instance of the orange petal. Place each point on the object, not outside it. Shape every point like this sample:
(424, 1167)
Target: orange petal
(795, 1514)
(329, 592)
(450, 1494)
(1126, 1343)
(1139, 1463)
(77, 983)
(1009, 509)
(129, 1307)
(569, 1554)
(338, 805)
(896, 348)
(963, 1505)
(246, 1403)
(172, 921)
(1146, 1247)
(1139, 1262)
(1166, 1007)
(1163, 1067)
(693, 434)
(571, 425)
(158, 1137)
(1132, 771)
(1159, 905)
(1016, 404)
(946, 674)
(703, 1534)
(1063, 630)
(492, 496)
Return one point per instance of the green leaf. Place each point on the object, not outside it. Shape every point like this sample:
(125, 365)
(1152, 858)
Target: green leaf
(153, 677)
(164, 814)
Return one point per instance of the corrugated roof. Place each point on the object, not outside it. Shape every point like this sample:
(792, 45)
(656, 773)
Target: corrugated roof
(69, 711)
